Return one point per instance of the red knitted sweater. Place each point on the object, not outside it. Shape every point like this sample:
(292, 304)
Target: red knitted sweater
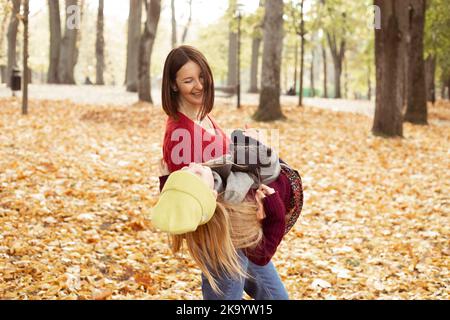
(186, 142)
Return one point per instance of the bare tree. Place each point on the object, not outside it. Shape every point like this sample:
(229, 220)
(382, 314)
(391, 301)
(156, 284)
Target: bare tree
(134, 35)
(269, 108)
(388, 52)
(55, 40)
(12, 39)
(100, 45)
(153, 9)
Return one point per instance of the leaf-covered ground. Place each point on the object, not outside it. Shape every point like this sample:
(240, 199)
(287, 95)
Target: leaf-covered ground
(77, 180)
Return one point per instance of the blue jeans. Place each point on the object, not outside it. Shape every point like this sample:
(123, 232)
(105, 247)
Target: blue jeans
(263, 283)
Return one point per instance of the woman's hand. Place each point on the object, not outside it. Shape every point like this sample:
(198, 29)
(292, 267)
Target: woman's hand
(261, 193)
(163, 168)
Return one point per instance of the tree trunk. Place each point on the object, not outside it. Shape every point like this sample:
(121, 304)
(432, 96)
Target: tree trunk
(337, 79)
(256, 43)
(3, 26)
(100, 45)
(69, 50)
(55, 41)
(302, 53)
(345, 80)
(232, 46)
(134, 34)
(269, 102)
(295, 66)
(448, 87)
(430, 72)
(174, 24)
(313, 89)
(12, 40)
(416, 111)
(188, 24)
(369, 81)
(443, 86)
(325, 73)
(338, 54)
(388, 116)
(145, 50)
(26, 74)
(232, 59)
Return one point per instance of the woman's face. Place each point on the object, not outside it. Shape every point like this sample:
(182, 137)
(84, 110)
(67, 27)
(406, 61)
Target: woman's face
(189, 83)
(203, 172)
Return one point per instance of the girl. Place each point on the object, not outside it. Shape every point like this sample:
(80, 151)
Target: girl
(191, 134)
(230, 244)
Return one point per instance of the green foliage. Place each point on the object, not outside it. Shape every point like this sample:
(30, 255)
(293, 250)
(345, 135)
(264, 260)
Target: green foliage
(437, 33)
(250, 23)
(213, 42)
(347, 20)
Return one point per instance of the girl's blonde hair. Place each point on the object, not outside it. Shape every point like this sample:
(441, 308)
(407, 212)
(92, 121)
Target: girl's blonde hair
(214, 245)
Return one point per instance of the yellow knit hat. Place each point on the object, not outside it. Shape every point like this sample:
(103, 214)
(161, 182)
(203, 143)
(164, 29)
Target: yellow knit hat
(186, 202)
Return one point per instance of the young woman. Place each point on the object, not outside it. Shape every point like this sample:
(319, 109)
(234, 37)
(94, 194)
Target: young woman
(191, 134)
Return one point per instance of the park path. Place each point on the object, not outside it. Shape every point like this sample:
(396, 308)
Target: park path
(117, 95)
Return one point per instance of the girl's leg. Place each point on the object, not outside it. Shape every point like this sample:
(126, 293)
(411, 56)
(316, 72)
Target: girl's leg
(231, 288)
(264, 283)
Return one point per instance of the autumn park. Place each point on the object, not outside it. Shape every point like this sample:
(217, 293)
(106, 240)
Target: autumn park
(350, 99)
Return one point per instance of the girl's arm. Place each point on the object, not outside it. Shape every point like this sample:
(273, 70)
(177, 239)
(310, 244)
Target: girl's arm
(273, 226)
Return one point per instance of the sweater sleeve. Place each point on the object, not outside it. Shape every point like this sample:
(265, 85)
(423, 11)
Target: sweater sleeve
(273, 230)
(169, 157)
(176, 136)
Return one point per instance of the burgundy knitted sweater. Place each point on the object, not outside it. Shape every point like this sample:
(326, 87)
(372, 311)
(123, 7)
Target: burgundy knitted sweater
(273, 225)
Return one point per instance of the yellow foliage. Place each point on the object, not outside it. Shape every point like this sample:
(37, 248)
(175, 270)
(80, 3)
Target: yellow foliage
(76, 182)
